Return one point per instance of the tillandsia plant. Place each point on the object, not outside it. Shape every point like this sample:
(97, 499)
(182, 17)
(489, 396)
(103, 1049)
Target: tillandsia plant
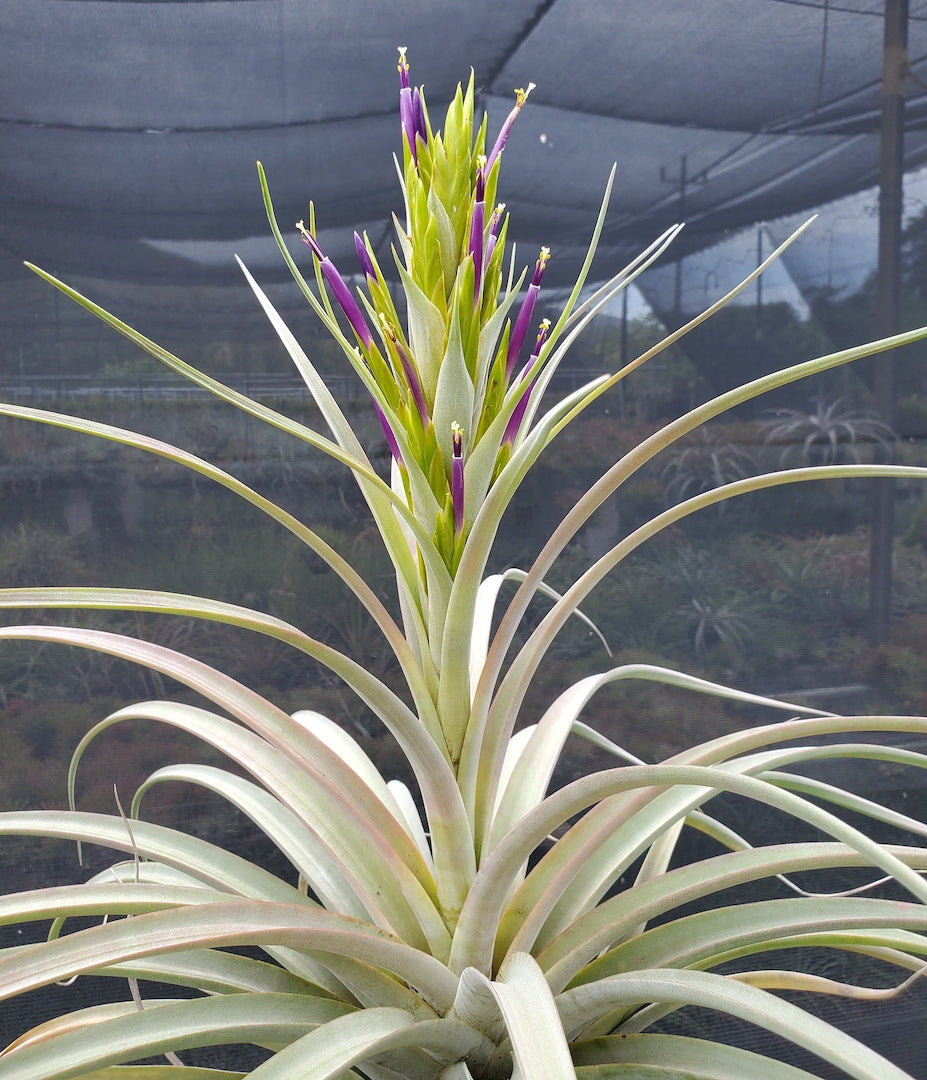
(483, 926)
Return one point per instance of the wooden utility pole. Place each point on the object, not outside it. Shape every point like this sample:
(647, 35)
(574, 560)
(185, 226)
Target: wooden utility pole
(894, 69)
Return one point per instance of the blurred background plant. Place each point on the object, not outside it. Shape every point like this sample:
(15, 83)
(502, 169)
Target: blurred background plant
(704, 461)
(831, 434)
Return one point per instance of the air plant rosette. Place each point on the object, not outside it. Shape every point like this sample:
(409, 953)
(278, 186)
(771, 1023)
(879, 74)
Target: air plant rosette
(482, 926)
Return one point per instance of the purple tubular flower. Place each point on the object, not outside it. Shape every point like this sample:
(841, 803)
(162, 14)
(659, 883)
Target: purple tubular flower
(364, 258)
(336, 283)
(418, 115)
(521, 96)
(388, 432)
(409, 371)
(476, 231)
(457, 476)
(520, 329)
(406, 110)
(511, 428)
(495, 221)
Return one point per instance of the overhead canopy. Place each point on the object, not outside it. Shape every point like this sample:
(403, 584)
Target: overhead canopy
(129, 130)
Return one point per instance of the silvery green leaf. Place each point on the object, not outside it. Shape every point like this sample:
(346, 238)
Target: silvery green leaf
(447, 238)
(747, 1002)
(301, 845)
(426, 333)
(125, 1031)
(453, 391)
(665, 1057)
(536, 766)
(376, 1034)
(532, 1020)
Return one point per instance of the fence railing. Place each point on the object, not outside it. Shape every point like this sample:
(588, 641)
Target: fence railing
(154, 387)
(27, 389)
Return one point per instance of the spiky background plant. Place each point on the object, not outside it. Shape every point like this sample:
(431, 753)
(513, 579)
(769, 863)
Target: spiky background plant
(831, 433)
(471, 928)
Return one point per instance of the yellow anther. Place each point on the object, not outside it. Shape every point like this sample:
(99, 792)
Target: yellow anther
(521, 95)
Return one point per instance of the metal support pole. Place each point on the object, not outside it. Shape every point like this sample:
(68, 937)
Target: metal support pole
(894, 69)
(677, 284)
(624, 347)
(683, 180)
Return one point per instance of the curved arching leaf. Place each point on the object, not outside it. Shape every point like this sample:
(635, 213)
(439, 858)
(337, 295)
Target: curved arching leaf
(615, 919)
(548, 883)
(327, 1052)
(220, 925)
(580, 1006)
(531, 776)
(125, 1032)
(161, 1072)
(503, 707)
(531, 1020)
(740, 929)
(301, 845)
(666, 1057)
(320, 765)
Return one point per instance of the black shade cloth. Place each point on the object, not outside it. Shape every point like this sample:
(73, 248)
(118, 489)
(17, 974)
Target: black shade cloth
(129, 130)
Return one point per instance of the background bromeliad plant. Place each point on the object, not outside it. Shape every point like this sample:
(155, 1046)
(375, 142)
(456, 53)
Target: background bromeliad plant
(471, 927)
(832, 433)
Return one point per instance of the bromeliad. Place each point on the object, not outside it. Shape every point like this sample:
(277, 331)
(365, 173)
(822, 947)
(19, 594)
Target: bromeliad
(482, 927)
